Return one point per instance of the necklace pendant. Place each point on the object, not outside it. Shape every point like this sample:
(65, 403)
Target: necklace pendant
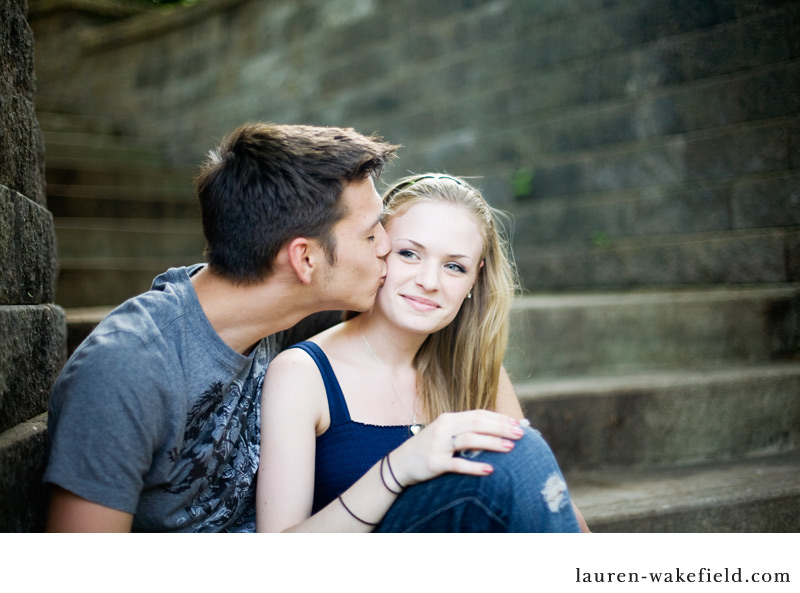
(415, 428)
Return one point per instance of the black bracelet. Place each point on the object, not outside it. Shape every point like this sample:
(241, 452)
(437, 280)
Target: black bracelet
(384, 480)
(352, 514)
(396, 481)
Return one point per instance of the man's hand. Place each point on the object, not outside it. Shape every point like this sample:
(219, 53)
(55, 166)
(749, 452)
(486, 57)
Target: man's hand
(69, 513)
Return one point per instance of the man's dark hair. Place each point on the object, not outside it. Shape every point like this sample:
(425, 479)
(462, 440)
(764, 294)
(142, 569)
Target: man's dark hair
(267, 184)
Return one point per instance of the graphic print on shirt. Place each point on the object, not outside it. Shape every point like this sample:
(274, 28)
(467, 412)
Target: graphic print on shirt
(219, 459)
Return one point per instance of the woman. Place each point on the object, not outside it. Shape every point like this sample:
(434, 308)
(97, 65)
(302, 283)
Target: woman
(343, 414)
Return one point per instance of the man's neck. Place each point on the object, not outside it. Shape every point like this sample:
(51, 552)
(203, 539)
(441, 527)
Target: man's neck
(243, 315)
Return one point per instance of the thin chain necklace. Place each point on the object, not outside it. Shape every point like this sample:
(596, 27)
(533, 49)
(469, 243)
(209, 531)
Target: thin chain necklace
(415, 426)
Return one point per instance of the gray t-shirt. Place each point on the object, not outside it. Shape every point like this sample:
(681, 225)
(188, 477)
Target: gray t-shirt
(155, 415)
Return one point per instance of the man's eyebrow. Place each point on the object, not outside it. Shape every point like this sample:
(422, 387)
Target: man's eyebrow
(376, 222)
(421, 246)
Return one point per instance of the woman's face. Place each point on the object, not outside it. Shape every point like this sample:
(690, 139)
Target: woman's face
(433, 264)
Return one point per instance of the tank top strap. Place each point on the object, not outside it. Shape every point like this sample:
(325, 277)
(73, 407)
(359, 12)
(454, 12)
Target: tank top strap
(336, 404)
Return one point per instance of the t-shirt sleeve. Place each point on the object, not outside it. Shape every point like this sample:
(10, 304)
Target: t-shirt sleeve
(107, 413)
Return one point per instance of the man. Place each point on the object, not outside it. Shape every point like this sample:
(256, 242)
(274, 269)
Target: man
(154, 421)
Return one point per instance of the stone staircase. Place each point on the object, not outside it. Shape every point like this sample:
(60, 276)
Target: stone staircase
(669, 411)
(121, 214)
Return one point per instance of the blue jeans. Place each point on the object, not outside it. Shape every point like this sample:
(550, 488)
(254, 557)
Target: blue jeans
(525, 493)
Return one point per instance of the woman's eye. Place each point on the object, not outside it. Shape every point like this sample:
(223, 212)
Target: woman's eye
(406, 253)
(456, 268)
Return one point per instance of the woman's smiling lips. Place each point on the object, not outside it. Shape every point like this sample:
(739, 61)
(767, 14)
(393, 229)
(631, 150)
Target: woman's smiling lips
(420, 303)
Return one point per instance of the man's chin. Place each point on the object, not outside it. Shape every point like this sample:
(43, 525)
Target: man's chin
(366, 305)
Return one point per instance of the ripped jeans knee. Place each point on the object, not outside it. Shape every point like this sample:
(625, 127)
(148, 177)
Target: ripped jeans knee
(525, 493)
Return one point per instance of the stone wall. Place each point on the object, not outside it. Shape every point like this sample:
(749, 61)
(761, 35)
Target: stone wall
(636, 142)
(32, 331)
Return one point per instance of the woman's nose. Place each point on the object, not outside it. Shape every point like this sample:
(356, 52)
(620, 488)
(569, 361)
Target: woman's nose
(428, 276)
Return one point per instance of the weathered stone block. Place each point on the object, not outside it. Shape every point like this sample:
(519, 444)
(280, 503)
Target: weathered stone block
(691, 211)
(27, 251)
(631, 262)
(32, 352)
(793, 257)
(733, 259)
(546, 267)
(23, 497)
(794, 144)
(571, 335)
(765, 203)
(793, 24)
(737, 152)
(667, 418)
(21, 148)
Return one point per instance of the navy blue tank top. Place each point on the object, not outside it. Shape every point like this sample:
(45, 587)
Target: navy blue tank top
(347, 450)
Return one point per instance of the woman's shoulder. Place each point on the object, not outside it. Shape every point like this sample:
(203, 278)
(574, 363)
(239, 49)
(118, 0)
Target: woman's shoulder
(335, 344)
(293, 388)
(295, 361)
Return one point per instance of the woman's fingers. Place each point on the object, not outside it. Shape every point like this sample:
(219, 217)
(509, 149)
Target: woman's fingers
(469, 440)
(478, 422)
(473, 468)
(433, 451)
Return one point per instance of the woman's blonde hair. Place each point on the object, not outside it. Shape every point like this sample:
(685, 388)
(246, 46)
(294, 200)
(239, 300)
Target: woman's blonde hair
(458, 367)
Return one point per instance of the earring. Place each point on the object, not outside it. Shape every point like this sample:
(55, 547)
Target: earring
(469, 296)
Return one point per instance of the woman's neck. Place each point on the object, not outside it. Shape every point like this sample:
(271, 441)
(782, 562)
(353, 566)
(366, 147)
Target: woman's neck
(394, 346)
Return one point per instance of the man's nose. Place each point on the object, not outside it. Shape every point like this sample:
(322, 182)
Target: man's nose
(382, 244)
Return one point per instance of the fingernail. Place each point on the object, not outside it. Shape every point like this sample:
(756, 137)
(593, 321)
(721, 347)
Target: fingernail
(487, 469)
(518, 432)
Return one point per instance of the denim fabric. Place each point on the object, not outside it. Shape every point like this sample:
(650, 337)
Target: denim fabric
(525, 493)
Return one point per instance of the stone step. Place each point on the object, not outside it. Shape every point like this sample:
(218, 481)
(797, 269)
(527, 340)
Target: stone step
(72, 201)
(27, 250)
(32, 340)
(99, 143)
(768, 255)
(23, 497)
(61, 121)
(582, 334)
(91, 238)
(107, 188)
(749, 495)
(110, 281)
(603, 218)
(113, 168)
(62, 173)
(80, 323)
(85, 147)
(667, 418)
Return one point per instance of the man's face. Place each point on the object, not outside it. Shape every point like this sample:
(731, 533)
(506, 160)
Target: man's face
(361, 244)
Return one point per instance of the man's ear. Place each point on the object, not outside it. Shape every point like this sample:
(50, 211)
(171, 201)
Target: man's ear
(303, 254)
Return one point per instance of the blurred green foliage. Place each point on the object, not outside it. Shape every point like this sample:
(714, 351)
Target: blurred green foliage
(522, 183)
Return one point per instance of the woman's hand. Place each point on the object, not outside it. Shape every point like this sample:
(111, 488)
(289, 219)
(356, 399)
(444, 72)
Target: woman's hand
(431, 452)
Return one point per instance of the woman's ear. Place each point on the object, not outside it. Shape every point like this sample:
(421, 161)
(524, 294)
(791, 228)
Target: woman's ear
(302, 255)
